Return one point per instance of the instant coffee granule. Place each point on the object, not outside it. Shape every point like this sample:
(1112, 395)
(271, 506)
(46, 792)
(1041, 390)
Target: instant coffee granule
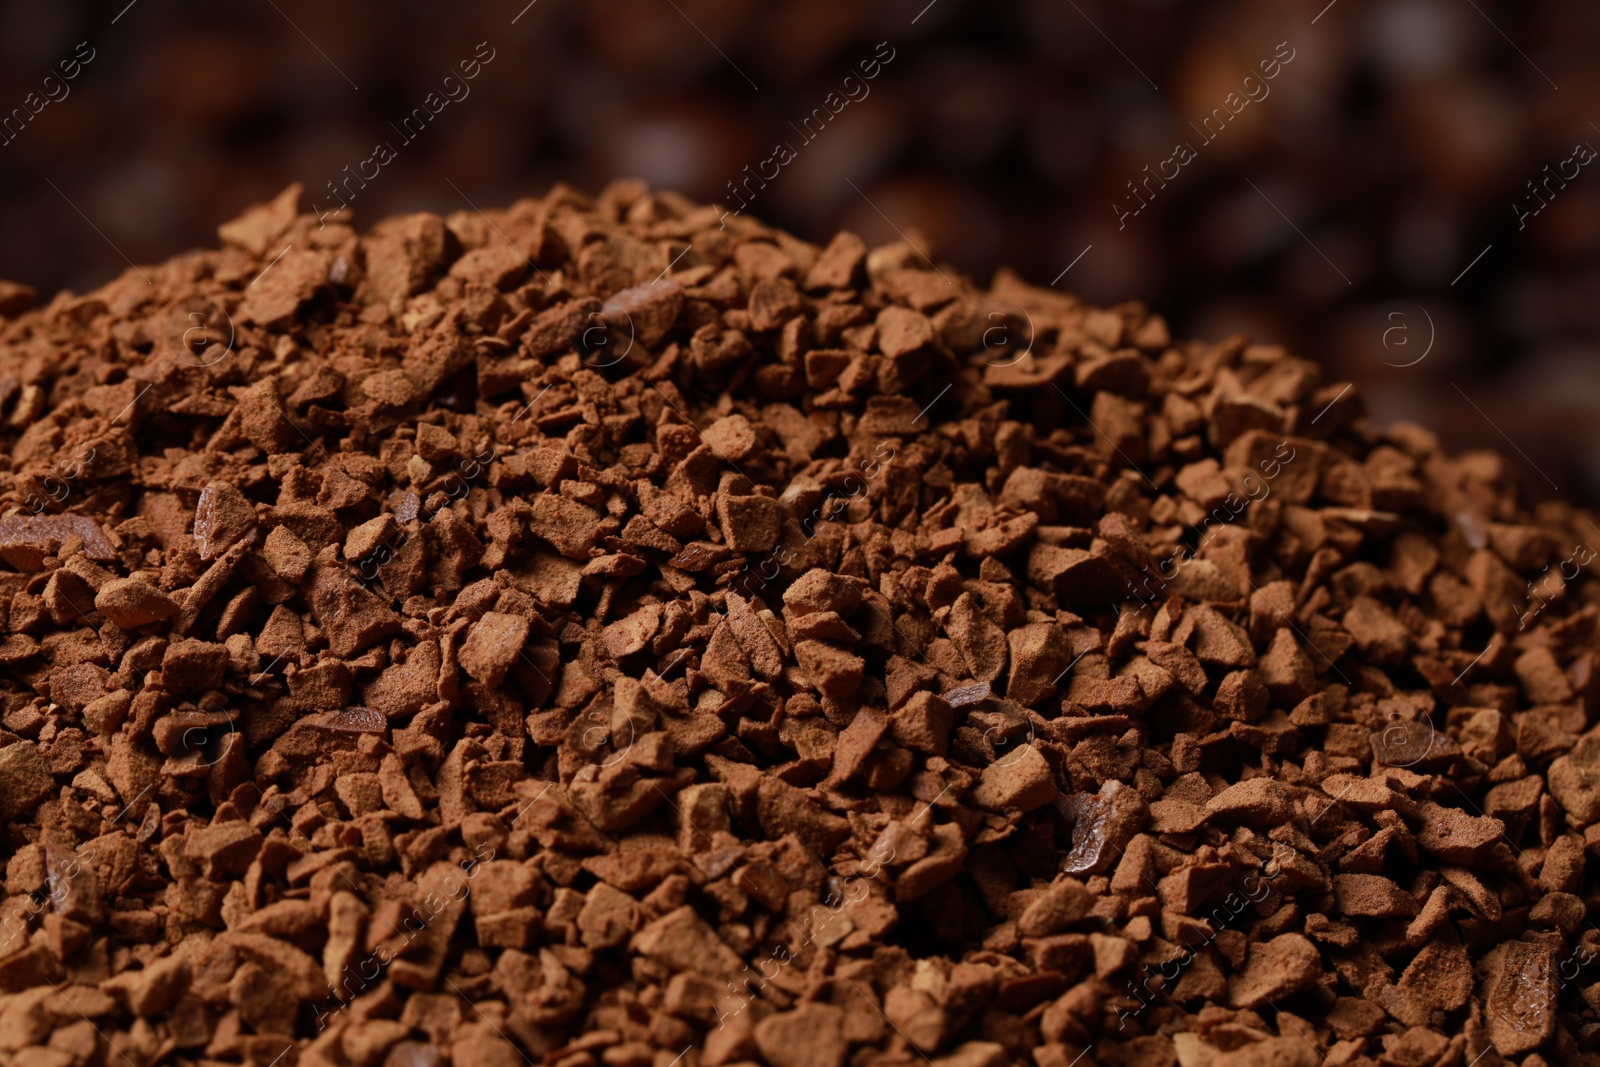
(613, 632)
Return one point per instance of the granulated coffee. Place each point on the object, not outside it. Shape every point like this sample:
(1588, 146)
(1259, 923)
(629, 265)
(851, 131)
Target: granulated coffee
(609, 631)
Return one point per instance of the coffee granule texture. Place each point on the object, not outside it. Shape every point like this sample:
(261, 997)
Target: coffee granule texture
(611, 632)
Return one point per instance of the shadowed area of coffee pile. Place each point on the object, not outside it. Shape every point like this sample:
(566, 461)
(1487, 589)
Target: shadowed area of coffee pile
(600, 633)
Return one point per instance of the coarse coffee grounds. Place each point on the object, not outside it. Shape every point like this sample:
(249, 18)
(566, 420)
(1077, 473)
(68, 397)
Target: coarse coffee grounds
(611, 632)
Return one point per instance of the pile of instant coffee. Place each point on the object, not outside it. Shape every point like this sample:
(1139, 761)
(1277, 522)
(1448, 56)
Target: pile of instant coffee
(612, 632)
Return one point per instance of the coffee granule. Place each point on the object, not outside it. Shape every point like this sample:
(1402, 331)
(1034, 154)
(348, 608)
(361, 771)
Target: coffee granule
(604, 631)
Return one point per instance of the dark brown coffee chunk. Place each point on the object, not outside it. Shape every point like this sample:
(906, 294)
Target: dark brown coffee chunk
(131, 602)
(26, 540)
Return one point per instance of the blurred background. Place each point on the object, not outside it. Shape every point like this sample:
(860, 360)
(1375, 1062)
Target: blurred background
(1400, 189)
